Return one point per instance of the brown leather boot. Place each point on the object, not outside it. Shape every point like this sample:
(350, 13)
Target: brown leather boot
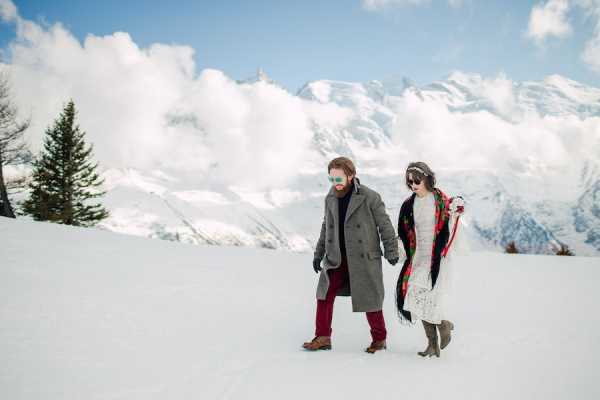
(445, 329)
(376, 346)
(432, 337)
(318, 343)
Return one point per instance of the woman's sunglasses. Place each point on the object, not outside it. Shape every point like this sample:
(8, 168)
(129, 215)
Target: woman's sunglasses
(336, 179)
(415, 181)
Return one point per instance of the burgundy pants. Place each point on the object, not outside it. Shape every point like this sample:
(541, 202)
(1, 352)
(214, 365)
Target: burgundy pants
(337, 278)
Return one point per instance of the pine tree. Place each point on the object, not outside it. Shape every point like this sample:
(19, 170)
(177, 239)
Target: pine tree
(511, 248)
(64, 177)
(564, 251)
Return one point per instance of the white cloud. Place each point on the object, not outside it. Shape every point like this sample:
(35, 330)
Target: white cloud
(591, 52)
(549, 19)
(149, 108)
(499, 92)
(456, 3)
(545, 147)
(374, 5)
(8, 10)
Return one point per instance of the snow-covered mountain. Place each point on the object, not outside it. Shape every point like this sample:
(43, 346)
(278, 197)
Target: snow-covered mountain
(555, 95)
(487, 139)
(587, 210)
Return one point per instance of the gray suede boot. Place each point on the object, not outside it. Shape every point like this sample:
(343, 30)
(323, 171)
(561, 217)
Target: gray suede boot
(445, 329)
(432, 337)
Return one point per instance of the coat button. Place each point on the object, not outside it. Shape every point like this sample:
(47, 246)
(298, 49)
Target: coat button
(362, 255)
(359, 240)
(358, 225)
(329, 240)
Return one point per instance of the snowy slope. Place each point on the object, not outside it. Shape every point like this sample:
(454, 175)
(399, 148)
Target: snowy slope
(88, 314)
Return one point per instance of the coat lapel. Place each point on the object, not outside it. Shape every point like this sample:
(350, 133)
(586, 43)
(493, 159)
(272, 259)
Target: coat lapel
(333, 206)
(355, 201)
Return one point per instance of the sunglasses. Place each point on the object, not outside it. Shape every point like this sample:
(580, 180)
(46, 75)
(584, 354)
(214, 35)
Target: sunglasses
(415, 181)
(337, 179)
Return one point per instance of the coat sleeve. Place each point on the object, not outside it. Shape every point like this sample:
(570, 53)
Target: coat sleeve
(320, 249)
(385, 227)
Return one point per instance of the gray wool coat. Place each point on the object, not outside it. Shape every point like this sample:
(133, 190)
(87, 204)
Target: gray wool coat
(366, 225)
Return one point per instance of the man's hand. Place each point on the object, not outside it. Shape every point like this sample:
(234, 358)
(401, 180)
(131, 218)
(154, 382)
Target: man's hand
(394, 261)
(317, 265)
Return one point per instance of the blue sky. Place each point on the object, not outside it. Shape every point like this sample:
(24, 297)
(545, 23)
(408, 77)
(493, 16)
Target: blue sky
(296, 42)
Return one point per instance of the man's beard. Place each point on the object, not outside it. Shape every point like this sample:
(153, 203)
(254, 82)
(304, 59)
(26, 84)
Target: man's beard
(344, 191)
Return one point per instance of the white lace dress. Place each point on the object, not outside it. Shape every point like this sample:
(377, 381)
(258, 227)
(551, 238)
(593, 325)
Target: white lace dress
(423, 302)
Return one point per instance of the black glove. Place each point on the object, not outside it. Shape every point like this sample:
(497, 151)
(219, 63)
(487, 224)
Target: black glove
(394, 261)
(317, 265)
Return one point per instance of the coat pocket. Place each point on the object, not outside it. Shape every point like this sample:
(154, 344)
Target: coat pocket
(374, 254)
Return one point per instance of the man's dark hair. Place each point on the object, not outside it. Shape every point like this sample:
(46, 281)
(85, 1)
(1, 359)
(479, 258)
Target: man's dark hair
(342, 163)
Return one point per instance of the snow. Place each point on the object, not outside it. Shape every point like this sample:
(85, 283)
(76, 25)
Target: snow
(321, 90)
(274, 198)
(284, 197)
(132, 221)
(573, 90)
(133, 179)
(256, 199)
(295, 209)
(201, 196)
(90, 314)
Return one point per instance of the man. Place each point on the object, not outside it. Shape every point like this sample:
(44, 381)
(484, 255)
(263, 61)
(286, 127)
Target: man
(348, 249)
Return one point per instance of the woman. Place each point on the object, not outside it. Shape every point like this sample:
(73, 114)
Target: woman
(427, 228)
